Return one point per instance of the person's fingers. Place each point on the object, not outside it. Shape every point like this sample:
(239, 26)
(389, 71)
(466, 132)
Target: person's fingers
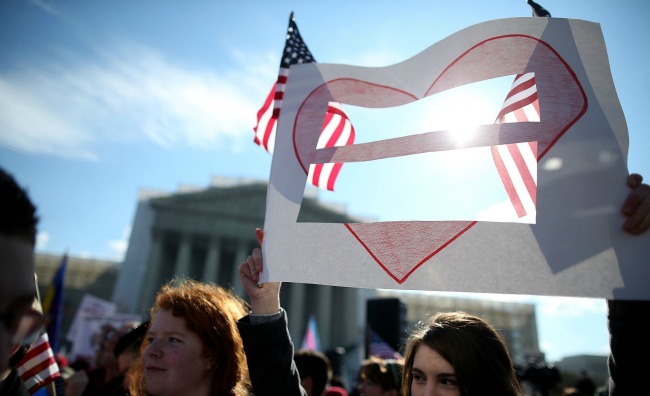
(643, 225)
(244, 270)
(635, 199)
(247, 269)
(258, 260)
(639, 211)
(634, 180)
(260, 235)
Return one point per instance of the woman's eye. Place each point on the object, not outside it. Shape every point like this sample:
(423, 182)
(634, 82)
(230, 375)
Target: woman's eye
(418, 377)
(449, 381)
(174, 340)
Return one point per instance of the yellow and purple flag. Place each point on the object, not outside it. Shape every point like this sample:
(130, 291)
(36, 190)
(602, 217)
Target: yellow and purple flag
(53, 304)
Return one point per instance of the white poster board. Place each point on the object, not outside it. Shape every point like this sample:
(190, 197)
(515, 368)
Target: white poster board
(576, 246)
(93, 331)
(89, 306)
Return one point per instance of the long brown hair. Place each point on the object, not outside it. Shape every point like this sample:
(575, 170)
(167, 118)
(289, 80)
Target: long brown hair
(211, 312)
(473, 347)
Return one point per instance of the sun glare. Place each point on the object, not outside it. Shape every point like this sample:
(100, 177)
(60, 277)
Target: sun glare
(450, 179)
(460, 110)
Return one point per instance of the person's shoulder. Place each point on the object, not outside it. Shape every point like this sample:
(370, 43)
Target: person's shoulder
(13, 385)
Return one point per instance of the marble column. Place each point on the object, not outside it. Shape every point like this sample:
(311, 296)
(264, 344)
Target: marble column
(211, 265)
(324, 315)
(240, 255)
(349, 313)
(296, 312)
(152, 275)
(183, 256)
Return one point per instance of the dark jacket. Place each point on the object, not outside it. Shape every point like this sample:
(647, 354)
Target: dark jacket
(629, 361)
(269, 352)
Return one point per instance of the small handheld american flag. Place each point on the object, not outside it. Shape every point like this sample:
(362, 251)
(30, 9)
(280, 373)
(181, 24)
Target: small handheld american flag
(337, 129)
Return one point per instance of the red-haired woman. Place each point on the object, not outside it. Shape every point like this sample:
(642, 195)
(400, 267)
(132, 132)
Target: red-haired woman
(193, 346)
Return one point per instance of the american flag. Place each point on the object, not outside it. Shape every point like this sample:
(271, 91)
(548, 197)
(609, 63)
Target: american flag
(337, 129)
(517, 163)
(38, 368)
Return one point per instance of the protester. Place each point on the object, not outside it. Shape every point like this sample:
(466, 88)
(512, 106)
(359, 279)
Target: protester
(315, 371)
(537, 376)
(122, 350)
(456, 353)
(75, 382)
(127, 348)
(192, 345)
(585, 385)
(106, 378)
(268, 345)
(380, 377)
(335, 391)
(18, 322)
(337, 382)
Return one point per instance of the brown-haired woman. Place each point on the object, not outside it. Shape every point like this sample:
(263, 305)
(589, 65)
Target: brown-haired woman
(192, 346)
(455, 354)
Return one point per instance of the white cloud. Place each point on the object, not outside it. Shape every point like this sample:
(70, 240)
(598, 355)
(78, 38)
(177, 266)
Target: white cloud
(549, 349)
(118, 247)
(29, 123)
(72, 106)
(572, 307)
(44, 6)
(42, 238)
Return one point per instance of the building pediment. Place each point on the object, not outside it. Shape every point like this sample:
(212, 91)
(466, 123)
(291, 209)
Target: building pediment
(239, 201)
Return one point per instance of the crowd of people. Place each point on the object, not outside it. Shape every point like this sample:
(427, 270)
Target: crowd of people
(201, 339)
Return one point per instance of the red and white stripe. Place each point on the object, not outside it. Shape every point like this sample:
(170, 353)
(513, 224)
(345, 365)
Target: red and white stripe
(267, 116)
(517, 163)
(38, 368)
(337, 131)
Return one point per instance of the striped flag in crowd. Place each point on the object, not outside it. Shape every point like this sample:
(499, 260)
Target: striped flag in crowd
(311, 340)
(517, 162)
(337, 129)
(38, 368)
(380, 348)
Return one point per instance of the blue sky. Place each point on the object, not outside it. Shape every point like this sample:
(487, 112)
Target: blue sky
(101, 99)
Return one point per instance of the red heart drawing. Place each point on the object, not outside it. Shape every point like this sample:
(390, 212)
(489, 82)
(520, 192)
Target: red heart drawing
(402, 247)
